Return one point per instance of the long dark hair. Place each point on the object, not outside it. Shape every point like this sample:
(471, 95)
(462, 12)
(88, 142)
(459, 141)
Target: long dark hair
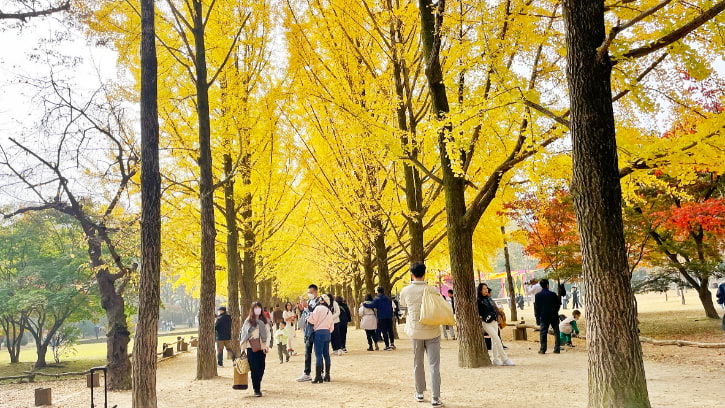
(368, 298)
(252, 317)
(479, 296)
(291, 309)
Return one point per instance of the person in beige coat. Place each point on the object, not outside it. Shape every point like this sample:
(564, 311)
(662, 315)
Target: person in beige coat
(426, 339)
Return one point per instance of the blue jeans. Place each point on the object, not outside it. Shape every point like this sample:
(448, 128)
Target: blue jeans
(322, 347)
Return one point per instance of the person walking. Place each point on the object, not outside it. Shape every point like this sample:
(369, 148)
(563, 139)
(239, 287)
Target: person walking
(323, 321)
(345, 318)
(533, 290)
(308, 330)
(253, 338)
(488, 312)
(289, 316)
(280, 339)
(369, 322)
(223, 334)
(384, 307)
(546, 309)
(425, 339)
(575, 297)
(448, 328)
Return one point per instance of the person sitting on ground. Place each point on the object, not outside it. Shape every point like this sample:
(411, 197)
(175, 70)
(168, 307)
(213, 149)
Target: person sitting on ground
(546, 310)
(384, 307)
(568, 326)
(323, 322)
(280, 339)
(488, 312)
(369, 323)
(426, 339)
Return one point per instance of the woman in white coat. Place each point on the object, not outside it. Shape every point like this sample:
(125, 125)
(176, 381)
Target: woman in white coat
(369, 323)
(290, 317)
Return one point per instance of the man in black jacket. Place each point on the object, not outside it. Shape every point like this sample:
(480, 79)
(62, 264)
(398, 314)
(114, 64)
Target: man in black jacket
(546, 309)
(223, 329)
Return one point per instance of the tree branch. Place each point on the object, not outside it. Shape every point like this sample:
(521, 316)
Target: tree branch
(23, 16)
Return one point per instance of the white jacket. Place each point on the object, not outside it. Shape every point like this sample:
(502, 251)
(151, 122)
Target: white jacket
(368, 319)
(411, 297)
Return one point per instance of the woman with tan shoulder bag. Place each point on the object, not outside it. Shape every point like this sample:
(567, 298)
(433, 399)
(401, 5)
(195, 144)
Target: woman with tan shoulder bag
(254, 339)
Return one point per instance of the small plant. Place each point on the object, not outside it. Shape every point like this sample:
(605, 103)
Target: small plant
(64, 341)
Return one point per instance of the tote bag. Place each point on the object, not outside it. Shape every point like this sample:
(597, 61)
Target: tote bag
(434, 310)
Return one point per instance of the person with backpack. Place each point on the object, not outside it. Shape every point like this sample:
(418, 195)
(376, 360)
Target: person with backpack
(323, 321)
(369, 322)
(384, 307)
(345, 318)
(546, 309)
(254, 339)
(308, 329)
(426, 339)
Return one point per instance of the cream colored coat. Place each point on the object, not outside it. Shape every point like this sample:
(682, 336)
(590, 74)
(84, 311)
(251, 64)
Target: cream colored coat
(411, 297)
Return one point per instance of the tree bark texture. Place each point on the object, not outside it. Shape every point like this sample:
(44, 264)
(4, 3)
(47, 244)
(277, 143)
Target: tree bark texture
(144, 353)
(369, 272)
(118, 336)
(471, 352)
(381, 256)
(249, 262)
(616, 370)
(509, 279)
(206, 364)
(233, 266)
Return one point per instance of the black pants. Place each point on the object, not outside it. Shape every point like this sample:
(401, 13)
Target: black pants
(386, 330)
(576, 303)
(343, 335)
(256, 364)
(335, 338)
(552, 322)
(309, 345)
(372, 337)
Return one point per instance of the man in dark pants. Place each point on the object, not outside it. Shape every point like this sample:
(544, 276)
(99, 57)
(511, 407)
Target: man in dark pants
(384, 307)
(546, 309)
(223, 329)
(575, 297)
(308, 331)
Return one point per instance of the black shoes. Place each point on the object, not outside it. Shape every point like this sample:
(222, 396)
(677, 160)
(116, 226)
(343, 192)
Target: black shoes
(318, 376)
(370, 348)
(257, 393)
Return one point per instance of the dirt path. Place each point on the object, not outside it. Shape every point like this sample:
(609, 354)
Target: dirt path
(383, 379)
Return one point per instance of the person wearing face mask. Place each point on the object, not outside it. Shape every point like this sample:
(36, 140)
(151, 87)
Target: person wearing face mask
(308, 331)
(324, 324)
(253, 337)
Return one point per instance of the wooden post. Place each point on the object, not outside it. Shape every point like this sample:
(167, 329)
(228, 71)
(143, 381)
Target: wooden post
(93, 380)
(168, 351)
(43, 397)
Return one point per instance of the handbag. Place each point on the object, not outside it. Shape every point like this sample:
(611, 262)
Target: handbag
(501, 319)
(241, 365)
(434, 310)
(255, 345)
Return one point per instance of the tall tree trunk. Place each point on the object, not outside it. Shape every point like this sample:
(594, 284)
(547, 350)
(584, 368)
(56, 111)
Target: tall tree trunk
(703, 292)
(369, 272)
(118, 336)
(381, 256)
(144, 353)
(233, 267)
(509, 279)
(41, 349)
(249, 269)
(471, 352)
(13, 334)
(205, 364)
(616, 374)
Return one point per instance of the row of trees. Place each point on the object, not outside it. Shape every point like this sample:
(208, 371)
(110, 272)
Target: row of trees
(376, 134)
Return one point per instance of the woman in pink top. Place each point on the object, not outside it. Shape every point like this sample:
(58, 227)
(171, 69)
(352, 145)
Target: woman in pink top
(323, 322)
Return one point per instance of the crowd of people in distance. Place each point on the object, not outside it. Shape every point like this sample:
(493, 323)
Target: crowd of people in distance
(323, 320)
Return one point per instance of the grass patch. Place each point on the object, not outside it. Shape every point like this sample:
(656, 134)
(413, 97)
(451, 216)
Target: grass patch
(681, 325)
(63, 367)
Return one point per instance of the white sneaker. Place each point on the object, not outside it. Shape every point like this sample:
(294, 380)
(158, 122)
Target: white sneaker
(436, 402)
(419, 397)
(304, 377)
(508, 362)
(496, 362)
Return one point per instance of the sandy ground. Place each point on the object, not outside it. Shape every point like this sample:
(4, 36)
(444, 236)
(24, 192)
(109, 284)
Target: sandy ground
(383, 379)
